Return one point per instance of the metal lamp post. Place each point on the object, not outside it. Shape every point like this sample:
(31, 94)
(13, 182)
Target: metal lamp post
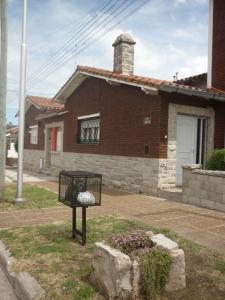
(19, 194)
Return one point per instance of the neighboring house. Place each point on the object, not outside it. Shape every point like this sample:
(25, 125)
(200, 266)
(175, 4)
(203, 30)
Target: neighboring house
(136, 131)
(11, 139)
(36, 109)
(199, 81)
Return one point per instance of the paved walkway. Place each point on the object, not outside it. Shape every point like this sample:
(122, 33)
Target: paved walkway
(204, 226)
(11, 176)
(6, 289)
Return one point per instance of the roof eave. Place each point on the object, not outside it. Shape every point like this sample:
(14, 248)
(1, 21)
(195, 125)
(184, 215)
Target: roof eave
(50, 115)
(203, 94)
(65, 92)
(79, 76)
(146, 88)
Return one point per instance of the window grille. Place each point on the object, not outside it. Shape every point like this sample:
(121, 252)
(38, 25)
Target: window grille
(89, 131)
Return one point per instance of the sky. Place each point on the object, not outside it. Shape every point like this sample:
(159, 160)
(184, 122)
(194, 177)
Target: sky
(171, 36)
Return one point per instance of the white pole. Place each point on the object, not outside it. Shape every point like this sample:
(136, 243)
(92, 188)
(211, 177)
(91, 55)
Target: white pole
(3, 87)
(19, 195)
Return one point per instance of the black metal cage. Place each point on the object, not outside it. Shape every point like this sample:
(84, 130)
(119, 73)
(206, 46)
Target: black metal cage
(80, 188)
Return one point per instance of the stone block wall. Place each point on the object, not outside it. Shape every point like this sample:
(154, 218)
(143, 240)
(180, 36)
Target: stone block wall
(204, 188)
(134, 174)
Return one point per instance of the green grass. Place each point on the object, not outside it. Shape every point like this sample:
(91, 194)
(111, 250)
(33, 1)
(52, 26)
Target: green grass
(220, 265)
(35, 197)
(63, 267)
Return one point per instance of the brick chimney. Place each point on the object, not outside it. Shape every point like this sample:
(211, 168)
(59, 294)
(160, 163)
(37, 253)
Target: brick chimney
(124, 54)
(216, 66)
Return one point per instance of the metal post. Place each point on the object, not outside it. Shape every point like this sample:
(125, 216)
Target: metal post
(3, 87)
(74, 220)
(22, 107)
(83, 225)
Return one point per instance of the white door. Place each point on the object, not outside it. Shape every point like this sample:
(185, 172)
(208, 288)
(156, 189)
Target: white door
(186, 144)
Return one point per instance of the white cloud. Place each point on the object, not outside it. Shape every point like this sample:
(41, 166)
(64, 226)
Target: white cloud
(178, 2)
(161, 48)
(181, 1)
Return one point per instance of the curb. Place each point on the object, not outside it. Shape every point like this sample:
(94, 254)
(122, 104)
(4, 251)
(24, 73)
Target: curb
(25, 287)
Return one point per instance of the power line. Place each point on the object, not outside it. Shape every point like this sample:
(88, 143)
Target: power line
(81, 29)
(84, 45)
(83, 40)
(89, 14)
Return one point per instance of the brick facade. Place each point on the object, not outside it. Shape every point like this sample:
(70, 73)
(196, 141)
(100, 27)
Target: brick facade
(120, 155)
(218, 49)
(122, 129)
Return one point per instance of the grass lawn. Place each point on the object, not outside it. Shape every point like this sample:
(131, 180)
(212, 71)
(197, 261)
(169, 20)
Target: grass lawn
(36, 197)
(62, 266)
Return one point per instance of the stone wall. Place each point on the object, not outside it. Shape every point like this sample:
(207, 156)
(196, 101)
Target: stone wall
(134, 174)
(204, 188)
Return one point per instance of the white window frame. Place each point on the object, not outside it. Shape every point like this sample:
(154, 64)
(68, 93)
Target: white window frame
(33, 131)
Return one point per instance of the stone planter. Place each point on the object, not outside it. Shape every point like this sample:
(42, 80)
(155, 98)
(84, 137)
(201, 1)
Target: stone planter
(118, 277)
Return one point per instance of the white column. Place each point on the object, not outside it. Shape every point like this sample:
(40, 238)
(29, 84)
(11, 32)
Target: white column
(210, 44)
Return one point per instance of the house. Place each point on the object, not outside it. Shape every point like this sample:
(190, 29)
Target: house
(136, 131)
(11, 139)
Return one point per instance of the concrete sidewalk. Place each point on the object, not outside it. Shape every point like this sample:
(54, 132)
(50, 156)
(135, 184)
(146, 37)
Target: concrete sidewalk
(207, 227)
(11, 176)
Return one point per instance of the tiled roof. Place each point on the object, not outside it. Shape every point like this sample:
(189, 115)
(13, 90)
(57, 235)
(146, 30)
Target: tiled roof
(147, 81)
(185, 86)
(139, 81)
(44, 102)
(202, 76)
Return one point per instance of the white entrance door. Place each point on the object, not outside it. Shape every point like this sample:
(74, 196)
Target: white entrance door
(186, 144)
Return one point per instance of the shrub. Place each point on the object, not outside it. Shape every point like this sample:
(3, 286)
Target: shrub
(131, 242)
(155, 266)
(216, 161)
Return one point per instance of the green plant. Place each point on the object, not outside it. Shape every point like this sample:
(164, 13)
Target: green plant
(220, 265)
(155, 266)
(216, 161)
(131, 242)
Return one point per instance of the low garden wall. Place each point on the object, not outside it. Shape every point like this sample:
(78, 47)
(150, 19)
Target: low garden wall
(203, 187)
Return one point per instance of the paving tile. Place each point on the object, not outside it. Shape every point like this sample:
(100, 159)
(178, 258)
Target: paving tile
(199, 224)
(218, 230)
